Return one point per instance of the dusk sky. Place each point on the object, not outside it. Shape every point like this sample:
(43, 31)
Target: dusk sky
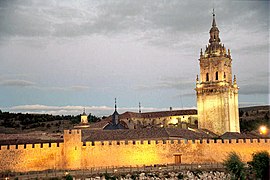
(59, 57)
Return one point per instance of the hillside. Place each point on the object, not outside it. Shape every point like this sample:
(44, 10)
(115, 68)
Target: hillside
(251, 118)
(25, 123)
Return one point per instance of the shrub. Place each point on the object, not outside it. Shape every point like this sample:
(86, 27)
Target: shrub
(235, 166)
(180, 176)
(69, 177)
(260, 164)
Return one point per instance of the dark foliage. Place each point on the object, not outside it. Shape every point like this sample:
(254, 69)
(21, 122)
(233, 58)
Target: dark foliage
(260, 165)
(28, 121)
(235, 166)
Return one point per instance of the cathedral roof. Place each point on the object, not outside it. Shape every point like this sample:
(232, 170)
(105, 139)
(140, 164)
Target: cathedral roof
(141, 134)
(158, 114)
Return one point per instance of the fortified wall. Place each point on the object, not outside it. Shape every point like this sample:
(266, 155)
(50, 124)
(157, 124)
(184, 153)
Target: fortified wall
(75, 154)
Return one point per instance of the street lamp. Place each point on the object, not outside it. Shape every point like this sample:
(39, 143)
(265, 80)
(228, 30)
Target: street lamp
(263, 130)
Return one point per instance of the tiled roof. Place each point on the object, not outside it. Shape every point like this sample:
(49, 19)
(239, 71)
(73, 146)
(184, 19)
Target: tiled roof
(236, 135)
(158, 114)
(141, 134)
(30, 138)
(99, 125)
(187, 134)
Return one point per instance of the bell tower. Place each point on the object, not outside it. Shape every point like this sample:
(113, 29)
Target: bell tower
(217, 94)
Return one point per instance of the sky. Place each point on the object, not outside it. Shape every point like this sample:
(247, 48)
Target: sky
(58, 57)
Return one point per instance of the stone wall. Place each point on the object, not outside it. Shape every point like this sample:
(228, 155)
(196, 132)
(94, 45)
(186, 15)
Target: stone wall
(126, 153)
(73, 154)
(31, 157)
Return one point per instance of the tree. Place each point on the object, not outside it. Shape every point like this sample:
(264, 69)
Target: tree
(69, 177)
(235, 166)
(241, 113)
(260, 164)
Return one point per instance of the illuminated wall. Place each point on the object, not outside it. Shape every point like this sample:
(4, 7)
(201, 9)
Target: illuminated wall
(84, 119)
(73, 154)
(29, 158)
(166, 121)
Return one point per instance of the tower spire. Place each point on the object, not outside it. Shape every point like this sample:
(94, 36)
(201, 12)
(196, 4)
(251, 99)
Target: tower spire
(140, 107)
(214, 20)
(115, 107)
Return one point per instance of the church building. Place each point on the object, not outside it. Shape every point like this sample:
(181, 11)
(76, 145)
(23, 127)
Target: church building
(217, 93)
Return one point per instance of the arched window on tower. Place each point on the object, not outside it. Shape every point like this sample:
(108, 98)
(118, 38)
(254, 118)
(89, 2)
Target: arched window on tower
(224, 75)
(207, 77)
(216, 75)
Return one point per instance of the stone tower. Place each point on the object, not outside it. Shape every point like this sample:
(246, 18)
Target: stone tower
(84, 118)
(217, 94)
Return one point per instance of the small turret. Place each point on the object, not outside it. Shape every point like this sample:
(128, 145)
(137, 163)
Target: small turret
(84, 118)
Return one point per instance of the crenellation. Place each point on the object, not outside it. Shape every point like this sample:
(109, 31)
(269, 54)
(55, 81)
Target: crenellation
(204, 141)
(12, 147)
(183, 141)
(122, 142)
(20, 146)
(29, 146)
(4, 147)
(240, 141)
(45, 145)
(98, 143)
(114, 143)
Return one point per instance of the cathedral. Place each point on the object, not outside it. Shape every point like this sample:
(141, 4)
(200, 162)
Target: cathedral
(147, 139)
(217, 94)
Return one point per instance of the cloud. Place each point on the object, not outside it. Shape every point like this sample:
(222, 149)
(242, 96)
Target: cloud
(75, 110)
(17, 83)
(59, 88)
(170, 83)
(255, 84)
(79, 88)
(248, 104)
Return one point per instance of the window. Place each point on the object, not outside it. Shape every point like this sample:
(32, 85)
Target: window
(216, 75)
(224, 75)
(207, 77)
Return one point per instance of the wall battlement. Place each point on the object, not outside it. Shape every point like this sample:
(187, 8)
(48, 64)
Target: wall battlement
(133, 142)
(182, 141)
(31, 146)
(73, 153)
(72, 131)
